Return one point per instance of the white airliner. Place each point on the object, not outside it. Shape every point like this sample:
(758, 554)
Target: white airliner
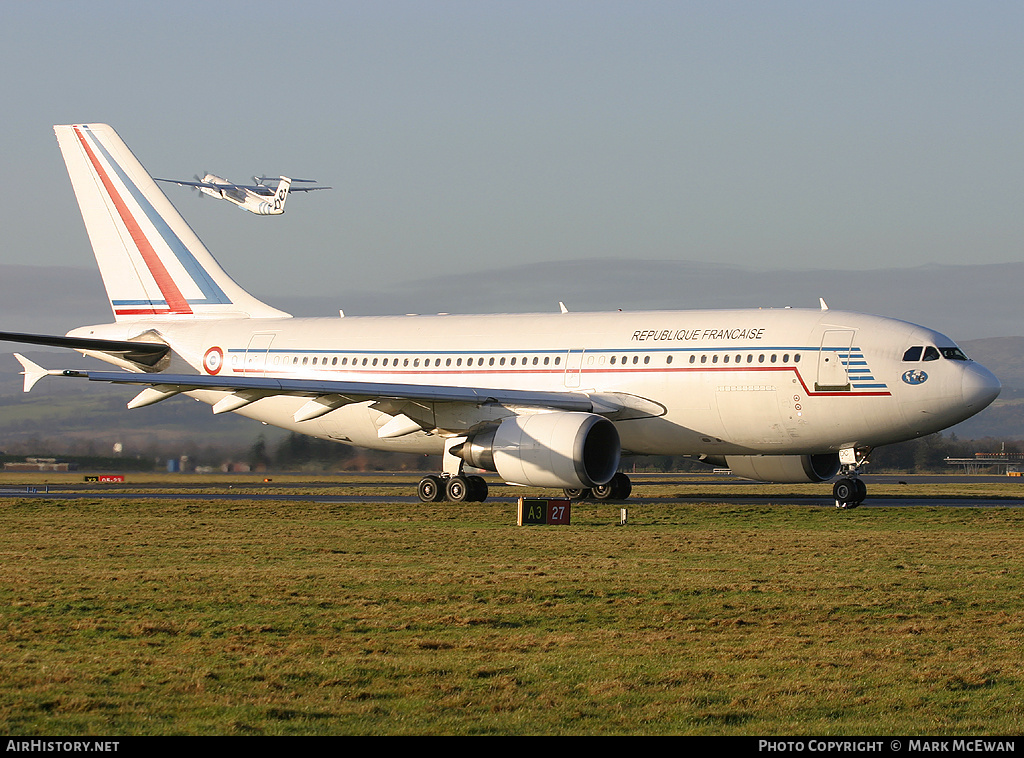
(258, 198)
(545, 400)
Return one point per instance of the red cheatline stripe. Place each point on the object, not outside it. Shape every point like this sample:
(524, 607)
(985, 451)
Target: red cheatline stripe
(313, 370)
(175, 300)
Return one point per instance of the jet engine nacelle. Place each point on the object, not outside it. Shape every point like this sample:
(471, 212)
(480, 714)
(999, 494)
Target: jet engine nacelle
(563, 450)
(785, 468)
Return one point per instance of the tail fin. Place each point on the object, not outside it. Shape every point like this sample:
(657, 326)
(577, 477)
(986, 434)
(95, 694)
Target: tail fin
(280, 196)
(153, 265)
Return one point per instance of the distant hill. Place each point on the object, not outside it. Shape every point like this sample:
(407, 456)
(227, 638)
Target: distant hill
(89, 418)
(1004, 419)
(1004, 356)
(49, 300)
(964, 302)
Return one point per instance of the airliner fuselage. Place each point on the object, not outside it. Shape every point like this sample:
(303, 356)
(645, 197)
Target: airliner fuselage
(727, 382)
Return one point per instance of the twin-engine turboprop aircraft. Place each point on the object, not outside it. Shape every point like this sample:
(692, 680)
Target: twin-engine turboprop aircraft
(545, 400)
(258, 198)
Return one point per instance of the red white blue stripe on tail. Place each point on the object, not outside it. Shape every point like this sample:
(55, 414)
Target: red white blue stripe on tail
(153, 265)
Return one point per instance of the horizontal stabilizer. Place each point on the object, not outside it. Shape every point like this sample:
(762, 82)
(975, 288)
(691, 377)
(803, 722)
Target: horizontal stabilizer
(143, 353)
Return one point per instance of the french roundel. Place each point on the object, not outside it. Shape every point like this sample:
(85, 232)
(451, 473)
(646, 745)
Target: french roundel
(213, 360)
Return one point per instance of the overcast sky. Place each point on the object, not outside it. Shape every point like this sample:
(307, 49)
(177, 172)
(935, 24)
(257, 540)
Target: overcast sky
(462, 136)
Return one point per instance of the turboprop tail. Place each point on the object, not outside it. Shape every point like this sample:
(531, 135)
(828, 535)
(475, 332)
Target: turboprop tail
(280, 196)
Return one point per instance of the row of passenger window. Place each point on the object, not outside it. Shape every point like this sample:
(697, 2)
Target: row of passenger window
(416, 362)
(761, 358)
(704, 358)
(528, 361)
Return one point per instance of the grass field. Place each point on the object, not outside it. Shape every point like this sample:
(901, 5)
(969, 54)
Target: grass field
(154, 617)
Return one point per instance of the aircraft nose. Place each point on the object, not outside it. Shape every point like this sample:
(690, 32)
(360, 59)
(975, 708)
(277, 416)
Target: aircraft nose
(979, 386)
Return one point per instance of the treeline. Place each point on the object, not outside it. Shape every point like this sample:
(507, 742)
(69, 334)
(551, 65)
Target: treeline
(299, 452)
(90, 462)
(928, 454)
(923, 455)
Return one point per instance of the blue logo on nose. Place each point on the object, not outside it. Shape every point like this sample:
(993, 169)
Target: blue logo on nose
(915, 377)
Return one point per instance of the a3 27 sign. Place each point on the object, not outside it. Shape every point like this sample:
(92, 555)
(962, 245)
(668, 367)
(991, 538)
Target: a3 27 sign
(543, 510)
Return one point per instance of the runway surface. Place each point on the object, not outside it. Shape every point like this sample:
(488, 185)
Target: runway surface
(404, 491)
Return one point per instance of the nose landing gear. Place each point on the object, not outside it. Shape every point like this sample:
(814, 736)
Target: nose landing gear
(850, 491)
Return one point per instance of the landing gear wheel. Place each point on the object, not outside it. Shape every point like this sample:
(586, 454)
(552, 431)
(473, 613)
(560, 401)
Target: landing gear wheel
(477, 488)
(578, 493)
(618, 488)
(862, 491)
(430, 489)
(849, 493)
(623, 487)
(458, 489)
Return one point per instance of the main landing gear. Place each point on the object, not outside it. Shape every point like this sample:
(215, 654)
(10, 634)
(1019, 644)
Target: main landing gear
(618, 488)
(452, 485)
(456, 489)
(850, 491)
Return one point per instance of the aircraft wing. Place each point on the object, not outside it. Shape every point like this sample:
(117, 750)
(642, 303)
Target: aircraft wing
(325, 394)
(356, 390)
(209, 185)
(293, 188)
(262, 189)
(259, 189)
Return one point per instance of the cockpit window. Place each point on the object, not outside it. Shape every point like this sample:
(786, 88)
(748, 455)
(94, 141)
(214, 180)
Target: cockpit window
(929, 353)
